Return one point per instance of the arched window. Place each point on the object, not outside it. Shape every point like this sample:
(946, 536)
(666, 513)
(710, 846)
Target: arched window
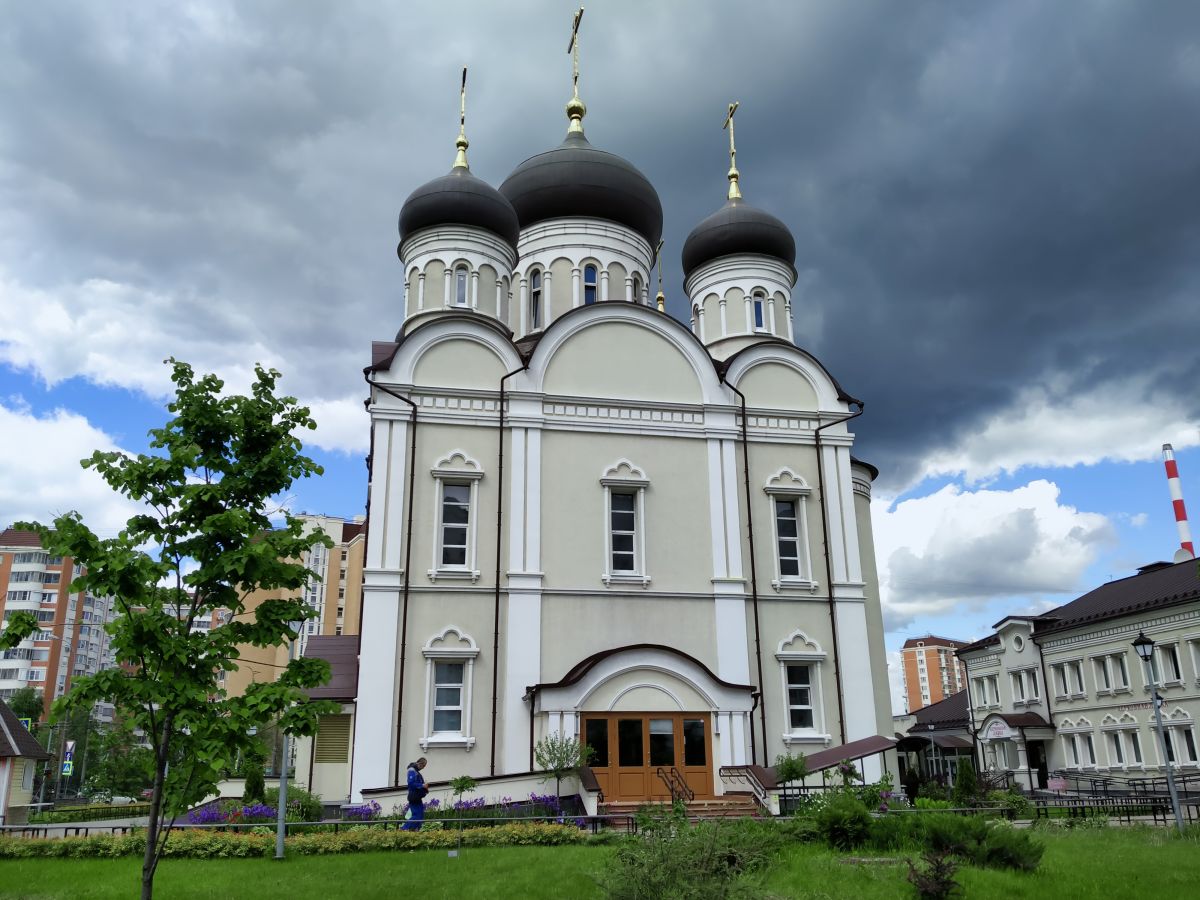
(637, 289)
(535, 299)
(460, 286)
(760, 302)
(589, 284)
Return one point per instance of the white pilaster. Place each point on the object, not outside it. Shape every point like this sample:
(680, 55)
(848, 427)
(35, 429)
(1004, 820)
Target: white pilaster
(474, 289)
(701, 312)
(420, 290)
(447, 296)
(378, 672)
(629, 290)
(771, 313)
(521, 323)
(604, 285)
(576, 275)
(724, 320)
(547, 294)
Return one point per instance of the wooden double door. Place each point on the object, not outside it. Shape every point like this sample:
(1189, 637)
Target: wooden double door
(630, 747)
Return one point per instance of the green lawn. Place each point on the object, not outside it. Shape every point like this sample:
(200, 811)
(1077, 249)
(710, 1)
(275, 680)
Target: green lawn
(1108, 864)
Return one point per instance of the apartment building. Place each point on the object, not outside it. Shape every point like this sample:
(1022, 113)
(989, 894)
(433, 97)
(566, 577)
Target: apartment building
(72, 640)
(334, 591)
(931, 670)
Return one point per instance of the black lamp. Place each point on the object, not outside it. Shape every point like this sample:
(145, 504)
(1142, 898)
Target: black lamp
(1144, 646)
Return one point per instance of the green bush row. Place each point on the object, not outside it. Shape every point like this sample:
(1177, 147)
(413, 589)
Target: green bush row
(208, 844)
(845, 824)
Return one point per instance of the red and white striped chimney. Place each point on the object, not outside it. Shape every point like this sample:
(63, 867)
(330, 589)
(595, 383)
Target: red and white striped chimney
(1181, 520)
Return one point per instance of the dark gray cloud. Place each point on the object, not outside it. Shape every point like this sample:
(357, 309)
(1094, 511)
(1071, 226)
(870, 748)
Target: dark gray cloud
(984, 197)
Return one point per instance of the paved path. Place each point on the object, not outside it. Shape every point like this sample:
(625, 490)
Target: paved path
(62, 829)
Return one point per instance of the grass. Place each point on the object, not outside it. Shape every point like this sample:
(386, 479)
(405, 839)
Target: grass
(483, 873)
(1082, 864)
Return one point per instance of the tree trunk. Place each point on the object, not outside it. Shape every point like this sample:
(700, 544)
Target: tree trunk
(150, 858)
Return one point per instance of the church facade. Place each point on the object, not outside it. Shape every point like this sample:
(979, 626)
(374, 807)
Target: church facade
(587, 518)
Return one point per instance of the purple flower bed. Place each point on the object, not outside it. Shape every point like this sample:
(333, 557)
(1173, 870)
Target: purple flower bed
(231, 812)
(363, 813)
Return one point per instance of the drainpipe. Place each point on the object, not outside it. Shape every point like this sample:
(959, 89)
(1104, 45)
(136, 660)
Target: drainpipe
(837, 669)
(496, 611)
(408, 542)
(979, 766)
(762, 708)
(755, 697)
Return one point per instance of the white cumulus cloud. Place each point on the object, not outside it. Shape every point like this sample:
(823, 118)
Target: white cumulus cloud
(40, 474)
(961, 548)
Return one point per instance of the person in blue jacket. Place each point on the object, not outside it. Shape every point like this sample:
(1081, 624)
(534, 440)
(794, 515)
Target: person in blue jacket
(416, 795)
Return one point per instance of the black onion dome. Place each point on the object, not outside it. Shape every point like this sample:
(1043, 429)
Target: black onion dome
(576, 179)
(737, 227)
(459, 199)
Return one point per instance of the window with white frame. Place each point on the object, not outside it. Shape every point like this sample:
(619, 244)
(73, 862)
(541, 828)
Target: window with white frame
(800, 661)
(456, 504)
(788, 495)
(1068, 679)
(1025, 687)
(589, 285)
(1170, 669)
(1120, 672)
(449, 666)
(625, 524)
(1180, 738)
(535, 299)
(759, 301)
(460, 286)
(1194, 646)
(1100, 671)
(1078, 744)
(637, 288)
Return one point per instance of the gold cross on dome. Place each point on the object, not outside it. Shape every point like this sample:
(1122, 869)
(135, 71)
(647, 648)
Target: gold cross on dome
(735, 192)
(460, 159)
(573, 48)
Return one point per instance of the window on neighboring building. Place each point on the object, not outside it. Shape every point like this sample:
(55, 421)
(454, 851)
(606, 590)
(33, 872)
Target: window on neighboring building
(1135, 747)
(1116, 751)
(1120, 672)
(1103, 679)
(787, 533)
(1171, 670)
(589, 284)
(460, 286)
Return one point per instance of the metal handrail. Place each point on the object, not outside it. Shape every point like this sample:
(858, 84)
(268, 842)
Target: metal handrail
(676, 784)
(746, 774)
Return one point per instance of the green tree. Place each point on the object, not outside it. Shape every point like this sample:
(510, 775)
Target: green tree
(26, 703)
(966, 785)
(203, 541)
(252, 768)
(121, 766)
(790, 768)
(559, 756)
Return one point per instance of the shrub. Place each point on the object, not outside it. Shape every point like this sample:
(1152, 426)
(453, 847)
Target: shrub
(936, 880)
(672, 858)
(803, 829)
(302, 806)
(966, 786)
(844, 823)
(983, 843)
(1016, 803)
(933, 790)
(930, 803)
(252, 766)
(898, 832)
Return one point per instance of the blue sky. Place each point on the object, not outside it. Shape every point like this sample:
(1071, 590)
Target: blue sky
(998, 244)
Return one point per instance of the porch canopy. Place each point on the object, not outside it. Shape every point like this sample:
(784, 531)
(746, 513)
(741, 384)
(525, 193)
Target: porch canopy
(914, 742)
(855, 750)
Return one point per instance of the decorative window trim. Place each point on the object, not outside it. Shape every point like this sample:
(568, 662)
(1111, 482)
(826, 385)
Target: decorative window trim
(787, 485)
(436, 651)
(456, 467)
(461, 274)
(626, 477)
(800, 648)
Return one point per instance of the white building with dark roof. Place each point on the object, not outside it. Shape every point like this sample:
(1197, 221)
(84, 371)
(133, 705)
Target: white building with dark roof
(587, 518)
(1065, 690)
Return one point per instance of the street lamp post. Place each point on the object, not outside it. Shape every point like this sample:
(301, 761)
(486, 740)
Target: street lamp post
(281, 812)
(1145, 650)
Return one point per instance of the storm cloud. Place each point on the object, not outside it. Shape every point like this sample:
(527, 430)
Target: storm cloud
(995, 205)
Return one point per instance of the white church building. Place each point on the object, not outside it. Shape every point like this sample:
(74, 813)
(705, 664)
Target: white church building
(588, 518)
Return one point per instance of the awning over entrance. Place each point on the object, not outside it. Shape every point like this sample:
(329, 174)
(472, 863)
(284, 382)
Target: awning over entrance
(917, 742)
(950, 742)
(859, 749)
